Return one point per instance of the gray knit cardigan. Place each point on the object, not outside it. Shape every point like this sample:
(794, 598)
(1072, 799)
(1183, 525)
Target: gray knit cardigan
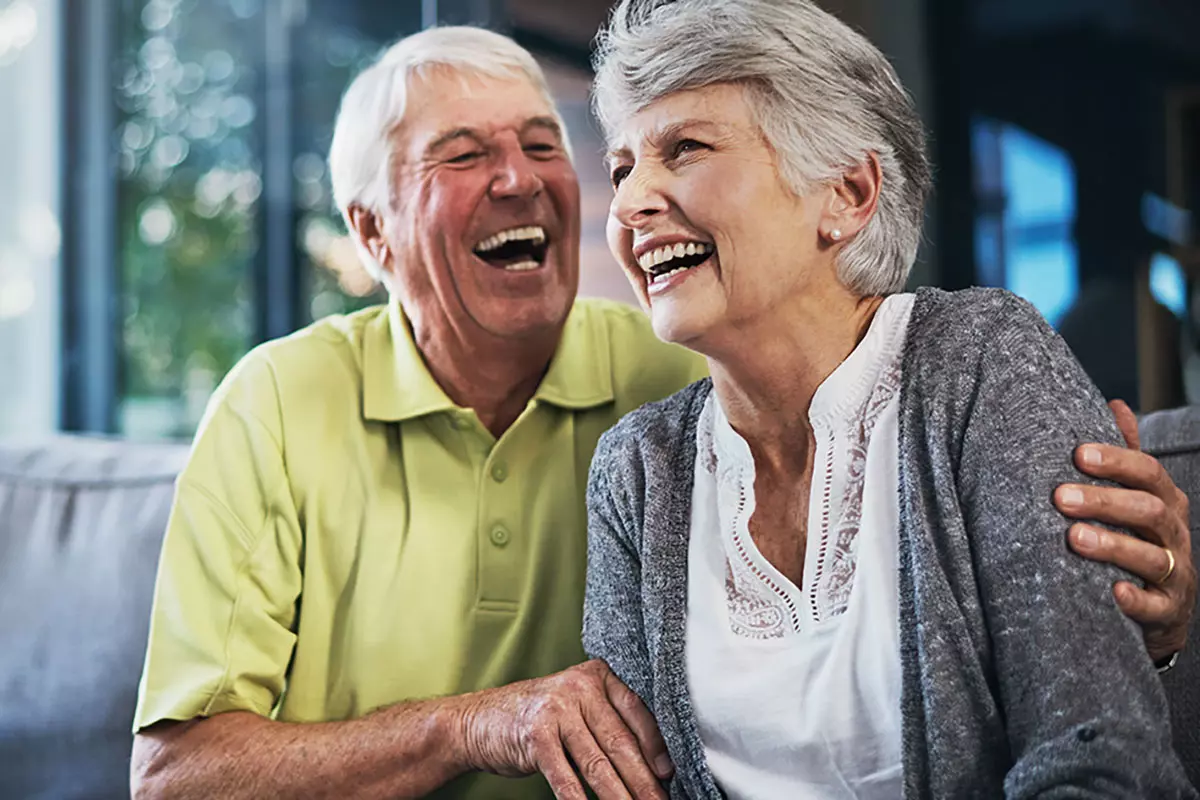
(1021, 677)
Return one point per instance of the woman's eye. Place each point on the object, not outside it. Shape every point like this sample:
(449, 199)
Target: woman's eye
(685, 146)
(619, 174)
(540, 149)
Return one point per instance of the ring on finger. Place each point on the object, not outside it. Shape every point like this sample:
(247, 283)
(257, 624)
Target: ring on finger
(1170, 566)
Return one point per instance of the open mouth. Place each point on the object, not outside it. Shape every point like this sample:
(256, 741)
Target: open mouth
(664, 262)
(515, 249)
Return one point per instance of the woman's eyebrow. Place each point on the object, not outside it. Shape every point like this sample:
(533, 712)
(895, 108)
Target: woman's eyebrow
(670, 132)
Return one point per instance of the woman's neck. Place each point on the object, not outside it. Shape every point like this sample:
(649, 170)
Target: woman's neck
(767, 373)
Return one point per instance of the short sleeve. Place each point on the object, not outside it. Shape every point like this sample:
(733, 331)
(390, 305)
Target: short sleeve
(229, 576)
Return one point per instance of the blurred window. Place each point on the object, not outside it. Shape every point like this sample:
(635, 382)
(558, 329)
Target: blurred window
(1168, 284)
(189, 200)
(196, 85)
(30, 229)
(1023, 237)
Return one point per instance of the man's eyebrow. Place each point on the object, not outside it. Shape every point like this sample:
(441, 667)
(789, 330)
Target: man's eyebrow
(544, 122)
(450, 136)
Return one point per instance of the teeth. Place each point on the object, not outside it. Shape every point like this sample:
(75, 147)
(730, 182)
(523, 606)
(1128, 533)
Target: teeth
(521, 266)
(667, 275)
(653, 258)
(533, 233)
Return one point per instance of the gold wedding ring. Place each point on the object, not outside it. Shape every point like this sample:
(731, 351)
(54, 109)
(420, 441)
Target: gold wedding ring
(1170, 567)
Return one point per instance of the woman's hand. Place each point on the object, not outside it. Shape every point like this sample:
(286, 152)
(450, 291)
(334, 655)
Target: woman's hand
(1152, 507)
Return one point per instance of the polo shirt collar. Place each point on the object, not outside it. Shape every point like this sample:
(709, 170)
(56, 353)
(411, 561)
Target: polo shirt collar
(580, 374)
(398, 386)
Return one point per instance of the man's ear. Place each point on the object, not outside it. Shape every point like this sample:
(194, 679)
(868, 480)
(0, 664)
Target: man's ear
(853, 200)
(367, 229)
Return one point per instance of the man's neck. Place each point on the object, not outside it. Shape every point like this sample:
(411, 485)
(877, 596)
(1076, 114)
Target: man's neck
(493, 375)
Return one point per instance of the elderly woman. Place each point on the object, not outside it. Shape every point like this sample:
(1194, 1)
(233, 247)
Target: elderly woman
(835, 570)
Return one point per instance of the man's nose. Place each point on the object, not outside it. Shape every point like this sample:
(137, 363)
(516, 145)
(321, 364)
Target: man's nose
(516, 174)
(638, 198)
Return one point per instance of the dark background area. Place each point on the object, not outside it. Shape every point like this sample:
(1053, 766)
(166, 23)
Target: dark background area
(165, 205)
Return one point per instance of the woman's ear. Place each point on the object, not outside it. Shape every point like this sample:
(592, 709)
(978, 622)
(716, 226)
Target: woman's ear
(366, 229)
(853, 200)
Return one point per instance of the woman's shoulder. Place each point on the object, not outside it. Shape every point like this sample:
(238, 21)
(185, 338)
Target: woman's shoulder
(969, 314)
(982, 329)
(655, 430)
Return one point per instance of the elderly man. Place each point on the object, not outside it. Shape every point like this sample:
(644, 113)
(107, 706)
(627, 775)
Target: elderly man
(372, 581)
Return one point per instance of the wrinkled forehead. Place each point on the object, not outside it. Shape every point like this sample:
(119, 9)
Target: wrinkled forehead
(717, 110)
(443, 100)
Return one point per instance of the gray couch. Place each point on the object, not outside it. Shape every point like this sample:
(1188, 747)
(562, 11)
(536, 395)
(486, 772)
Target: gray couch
(81, 522)
(1174, 438)
(80, 526)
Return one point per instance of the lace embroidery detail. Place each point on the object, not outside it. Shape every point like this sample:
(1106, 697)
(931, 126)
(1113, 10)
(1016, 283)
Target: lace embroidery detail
(834, 578)
(758, 607)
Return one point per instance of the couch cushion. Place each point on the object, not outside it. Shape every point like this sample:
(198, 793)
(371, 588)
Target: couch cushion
(81, 521)
(1174, 438)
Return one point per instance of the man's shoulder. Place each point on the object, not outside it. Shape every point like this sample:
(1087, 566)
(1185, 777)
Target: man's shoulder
(644, 368)
(333, 340)
(320, 362)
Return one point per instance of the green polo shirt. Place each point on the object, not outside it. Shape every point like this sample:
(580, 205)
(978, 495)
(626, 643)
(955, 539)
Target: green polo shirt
(344, 537)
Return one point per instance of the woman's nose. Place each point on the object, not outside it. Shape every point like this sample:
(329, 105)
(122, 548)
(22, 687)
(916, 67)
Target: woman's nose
(638, 198)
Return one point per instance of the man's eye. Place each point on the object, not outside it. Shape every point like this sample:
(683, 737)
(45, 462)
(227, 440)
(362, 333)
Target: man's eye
(465, 158)
(619, 174)
(540, 149)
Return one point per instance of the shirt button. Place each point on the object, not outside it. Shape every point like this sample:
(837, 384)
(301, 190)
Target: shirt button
(499, 537)
(459, 423)
(499, 472)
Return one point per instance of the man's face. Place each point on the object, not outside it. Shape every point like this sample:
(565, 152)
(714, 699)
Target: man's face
(482, 223)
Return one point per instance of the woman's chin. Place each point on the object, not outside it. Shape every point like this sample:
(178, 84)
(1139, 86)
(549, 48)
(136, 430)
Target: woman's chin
(678, 323)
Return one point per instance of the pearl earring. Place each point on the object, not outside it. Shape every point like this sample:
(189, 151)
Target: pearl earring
(835, 234)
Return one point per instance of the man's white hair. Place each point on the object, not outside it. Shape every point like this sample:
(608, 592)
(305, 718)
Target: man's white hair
(822, 94)
(374, 104)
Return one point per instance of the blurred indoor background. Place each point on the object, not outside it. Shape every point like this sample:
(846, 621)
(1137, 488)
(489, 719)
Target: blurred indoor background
(165, 204)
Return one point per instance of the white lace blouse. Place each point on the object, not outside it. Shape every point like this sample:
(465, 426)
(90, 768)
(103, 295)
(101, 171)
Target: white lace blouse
(796, 690)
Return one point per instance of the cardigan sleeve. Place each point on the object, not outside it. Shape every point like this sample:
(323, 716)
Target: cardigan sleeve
(613, 623)
(1084, 711)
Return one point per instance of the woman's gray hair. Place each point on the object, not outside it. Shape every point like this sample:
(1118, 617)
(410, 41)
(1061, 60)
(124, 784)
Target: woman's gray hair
(822, 94)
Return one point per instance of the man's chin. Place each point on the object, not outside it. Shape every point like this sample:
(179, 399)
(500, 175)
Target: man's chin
(526, 319)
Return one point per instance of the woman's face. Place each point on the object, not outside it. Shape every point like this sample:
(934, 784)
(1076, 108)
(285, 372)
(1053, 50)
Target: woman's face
(704, 225)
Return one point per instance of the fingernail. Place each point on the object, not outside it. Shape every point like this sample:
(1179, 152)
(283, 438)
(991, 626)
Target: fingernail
(663, 766)
(1091, 456)
(1071, 496)
(1087, 538)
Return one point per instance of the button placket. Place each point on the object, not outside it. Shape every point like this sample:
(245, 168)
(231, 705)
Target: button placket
(501, 517)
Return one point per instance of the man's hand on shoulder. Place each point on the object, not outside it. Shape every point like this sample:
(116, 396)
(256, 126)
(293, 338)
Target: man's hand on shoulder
(1149, 504)
(578, 723)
